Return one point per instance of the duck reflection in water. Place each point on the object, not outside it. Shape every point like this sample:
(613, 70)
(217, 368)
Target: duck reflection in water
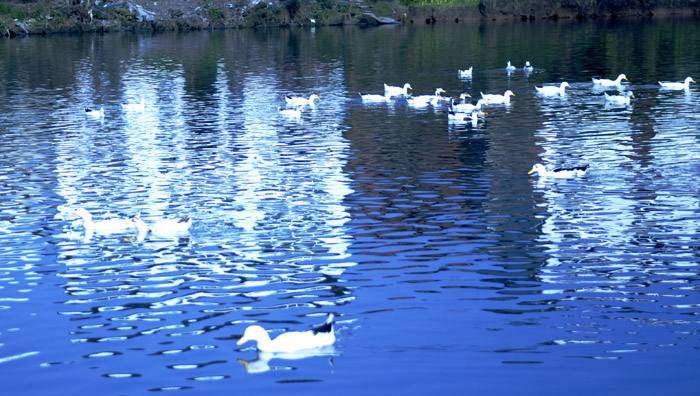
(262, 363)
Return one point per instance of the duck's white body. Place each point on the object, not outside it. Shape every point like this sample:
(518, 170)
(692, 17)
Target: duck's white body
(95, 113)
(426, 100)
(610, 83)
(466, 107)
(463, 118)
(549, 90)
(559, 173)
(466, 73)
(104, 226)
(374, 98)
(510, 67)
(140, 106)
(397, 91)
(299, 101)
(291, 341)
(677, 86)
(619, 99)
(496, 99)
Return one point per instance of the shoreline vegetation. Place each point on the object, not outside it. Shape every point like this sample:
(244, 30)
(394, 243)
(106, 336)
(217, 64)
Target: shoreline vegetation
(40, 17)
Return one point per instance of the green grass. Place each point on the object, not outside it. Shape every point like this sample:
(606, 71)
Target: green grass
(5, 8)
(216, 15)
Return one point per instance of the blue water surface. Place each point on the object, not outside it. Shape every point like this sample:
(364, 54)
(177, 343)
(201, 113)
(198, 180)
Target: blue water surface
(448, 268)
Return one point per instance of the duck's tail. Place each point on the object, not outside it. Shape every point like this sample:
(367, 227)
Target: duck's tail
(327, 327)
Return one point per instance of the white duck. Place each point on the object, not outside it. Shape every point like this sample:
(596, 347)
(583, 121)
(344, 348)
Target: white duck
(462, 118)
(321, 336)
(140, 106)
(95, 113)
(299, 101)
(619, 99)
(165, 227)
(677, 86)
(610, 83)
(559, 172)
(104, 226)
(510, 67)
(549, 90)
(373, 98)
(496, 99)
(425, 100)
(466, 73)
(467, 107)
(397, 91)
(528, 67)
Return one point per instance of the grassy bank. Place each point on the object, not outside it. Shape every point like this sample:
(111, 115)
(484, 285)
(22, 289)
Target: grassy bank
(529, 9)
(22, 17)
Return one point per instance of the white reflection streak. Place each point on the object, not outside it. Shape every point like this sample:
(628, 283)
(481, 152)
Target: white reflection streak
(581, 212)
(73, 161)
(80, 159)
(299, 196)
(143, 146)
(259, 145)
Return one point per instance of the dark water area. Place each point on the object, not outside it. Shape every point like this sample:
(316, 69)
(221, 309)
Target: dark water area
(448, 268)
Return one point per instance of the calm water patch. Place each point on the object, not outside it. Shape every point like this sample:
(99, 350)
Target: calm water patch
(448, 268)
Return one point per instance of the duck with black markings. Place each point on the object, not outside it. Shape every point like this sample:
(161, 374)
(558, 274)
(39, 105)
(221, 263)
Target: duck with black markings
(320, 336)
(563, 173)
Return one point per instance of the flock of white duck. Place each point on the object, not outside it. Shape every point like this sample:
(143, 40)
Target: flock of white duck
(463, 111)
(460, 111)
(163, 227)
(130, 107)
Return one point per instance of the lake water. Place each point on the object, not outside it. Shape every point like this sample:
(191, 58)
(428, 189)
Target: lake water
(448, 268)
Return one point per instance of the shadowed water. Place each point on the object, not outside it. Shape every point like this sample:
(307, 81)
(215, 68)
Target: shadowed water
(447, 267)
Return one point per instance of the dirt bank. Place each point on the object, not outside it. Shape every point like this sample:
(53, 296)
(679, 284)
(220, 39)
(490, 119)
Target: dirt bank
(24, 17)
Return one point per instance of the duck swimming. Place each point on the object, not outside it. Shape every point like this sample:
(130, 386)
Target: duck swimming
(549, 90)
(466, 73)
(610, 83)
(677, 85)
(95, 113)
(467, 107)
(496, 99)
(619, 99)
(397, 91)
(299, 101)
(321, 336)
(104, 226)
(374, 98)
(425, 100)
(559, 172)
